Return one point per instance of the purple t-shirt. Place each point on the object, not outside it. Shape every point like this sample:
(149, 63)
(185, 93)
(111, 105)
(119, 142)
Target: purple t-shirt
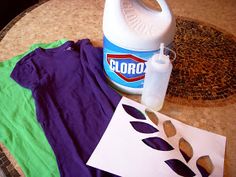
(74, 104)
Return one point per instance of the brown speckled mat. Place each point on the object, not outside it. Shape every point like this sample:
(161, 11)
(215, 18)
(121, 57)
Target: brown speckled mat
(6, 167)
(204, 72)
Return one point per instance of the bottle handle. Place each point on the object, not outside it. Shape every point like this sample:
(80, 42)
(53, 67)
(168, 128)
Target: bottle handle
(164, 7)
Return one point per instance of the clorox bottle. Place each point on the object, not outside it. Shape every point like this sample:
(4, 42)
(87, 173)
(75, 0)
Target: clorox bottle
(132, 35)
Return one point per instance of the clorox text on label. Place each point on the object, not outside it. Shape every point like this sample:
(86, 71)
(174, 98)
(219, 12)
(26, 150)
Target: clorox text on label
(126, 66)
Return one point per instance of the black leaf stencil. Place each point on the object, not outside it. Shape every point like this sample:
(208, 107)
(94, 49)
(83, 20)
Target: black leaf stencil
(143, 127)
(132, 111)
(203, 164)
(158, 144)
(180, 168)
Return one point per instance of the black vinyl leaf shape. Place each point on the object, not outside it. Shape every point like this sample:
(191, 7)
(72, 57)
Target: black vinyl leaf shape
(158, 144)
(205, 166)
(143, 127)
(180, 168)
(132, 111)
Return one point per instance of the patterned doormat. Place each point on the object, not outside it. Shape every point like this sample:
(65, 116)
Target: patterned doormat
(6, 167)
(204, 72)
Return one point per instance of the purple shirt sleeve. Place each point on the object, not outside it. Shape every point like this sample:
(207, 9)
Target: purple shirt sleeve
(25, 72)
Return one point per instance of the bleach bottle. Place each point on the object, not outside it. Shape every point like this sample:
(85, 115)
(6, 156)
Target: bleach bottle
(132, 35)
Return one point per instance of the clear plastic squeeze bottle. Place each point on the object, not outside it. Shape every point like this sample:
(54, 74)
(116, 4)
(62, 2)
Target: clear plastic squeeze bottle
(158, 70)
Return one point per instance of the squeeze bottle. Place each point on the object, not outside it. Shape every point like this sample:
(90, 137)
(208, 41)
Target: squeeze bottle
(156, 80)
(132, 35)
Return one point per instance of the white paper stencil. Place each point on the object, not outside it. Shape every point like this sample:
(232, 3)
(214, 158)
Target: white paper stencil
(134, 145)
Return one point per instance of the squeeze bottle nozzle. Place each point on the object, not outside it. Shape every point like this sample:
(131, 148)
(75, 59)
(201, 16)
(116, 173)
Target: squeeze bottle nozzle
(161, 51)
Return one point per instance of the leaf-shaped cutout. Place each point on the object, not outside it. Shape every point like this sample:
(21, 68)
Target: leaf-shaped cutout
(132, 111)
(169, 128)
(143, 127)
(152, 116)
(205, 166)
(158, 144)
(185, 149)
(180, 168)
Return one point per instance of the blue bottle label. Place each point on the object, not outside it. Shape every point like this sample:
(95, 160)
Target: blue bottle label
(125, 67)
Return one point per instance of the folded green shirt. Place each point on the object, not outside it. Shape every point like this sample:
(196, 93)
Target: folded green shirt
(19, 129)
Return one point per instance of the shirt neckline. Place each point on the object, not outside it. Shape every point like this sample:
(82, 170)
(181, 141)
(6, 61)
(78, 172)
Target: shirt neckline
(53, 52)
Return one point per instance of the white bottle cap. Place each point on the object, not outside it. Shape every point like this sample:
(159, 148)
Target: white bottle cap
(160, 62)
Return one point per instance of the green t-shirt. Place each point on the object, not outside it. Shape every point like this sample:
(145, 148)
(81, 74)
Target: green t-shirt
(19, 129)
